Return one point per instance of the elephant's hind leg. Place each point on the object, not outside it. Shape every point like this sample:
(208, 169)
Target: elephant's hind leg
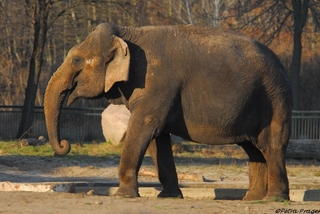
(278, 185)
(258, 173)
(276, 138)
(161, 153)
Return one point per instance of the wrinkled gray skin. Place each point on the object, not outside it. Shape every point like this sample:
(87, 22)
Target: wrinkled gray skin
(203, 84)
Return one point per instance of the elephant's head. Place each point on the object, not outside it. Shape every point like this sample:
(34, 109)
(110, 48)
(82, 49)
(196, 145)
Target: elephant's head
(90, 69)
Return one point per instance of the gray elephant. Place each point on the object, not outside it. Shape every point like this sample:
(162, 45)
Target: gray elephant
(204, 84)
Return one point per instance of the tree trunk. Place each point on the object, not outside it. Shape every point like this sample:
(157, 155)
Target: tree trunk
(300, 13)
(295, 68)
(39, 11)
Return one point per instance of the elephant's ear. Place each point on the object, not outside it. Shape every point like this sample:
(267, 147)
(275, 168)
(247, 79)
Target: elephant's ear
(118, 67)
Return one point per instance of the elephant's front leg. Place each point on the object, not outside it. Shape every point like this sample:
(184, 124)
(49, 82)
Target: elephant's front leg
(141, 130)
(161, 152)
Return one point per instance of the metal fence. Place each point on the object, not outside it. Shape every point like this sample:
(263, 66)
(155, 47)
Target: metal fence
(76, 124)
(84, 124)
(305, 125)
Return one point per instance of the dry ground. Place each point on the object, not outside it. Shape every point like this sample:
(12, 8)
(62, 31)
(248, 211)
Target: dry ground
(302, 174)
(55, 203)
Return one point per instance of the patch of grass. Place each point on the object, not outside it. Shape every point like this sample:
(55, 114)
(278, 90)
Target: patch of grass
(196, 150)
(299, 171)
(77, 149)
(276, 199)
(14, 148)
(158, 207)
(317, 174)
(258, 202)
(103, 149)
(94, 148)
(286, 202)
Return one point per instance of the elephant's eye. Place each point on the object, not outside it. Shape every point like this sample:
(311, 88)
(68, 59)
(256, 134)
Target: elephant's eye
(76, 60)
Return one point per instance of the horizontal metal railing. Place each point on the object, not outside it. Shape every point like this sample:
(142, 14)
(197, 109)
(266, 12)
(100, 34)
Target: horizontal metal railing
(84, 124)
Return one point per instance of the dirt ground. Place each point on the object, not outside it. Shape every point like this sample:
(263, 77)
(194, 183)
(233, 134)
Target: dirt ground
(302, 174)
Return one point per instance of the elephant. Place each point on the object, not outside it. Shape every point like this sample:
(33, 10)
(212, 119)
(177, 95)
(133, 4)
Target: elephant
(206, 85)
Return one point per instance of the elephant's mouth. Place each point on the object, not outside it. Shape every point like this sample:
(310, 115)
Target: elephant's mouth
(76, 92)
(72, 95)
(73, 92)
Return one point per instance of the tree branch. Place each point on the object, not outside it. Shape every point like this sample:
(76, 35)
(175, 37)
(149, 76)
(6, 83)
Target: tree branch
(62, 12)
(278, 29)
(315, 14)
(265, 11)
(304, 15)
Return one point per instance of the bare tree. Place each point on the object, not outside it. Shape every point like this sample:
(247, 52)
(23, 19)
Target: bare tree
(209, 12)
(217, 10)
(300, 14)
(14, 44)
(271, 18)
(38, 11)
(42, 18)
(183, 10)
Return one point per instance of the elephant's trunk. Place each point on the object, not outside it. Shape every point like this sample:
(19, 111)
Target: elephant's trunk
(56, 91)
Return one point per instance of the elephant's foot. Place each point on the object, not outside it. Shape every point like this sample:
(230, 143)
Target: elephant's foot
(126, 193)
(276, 196)
(170, 194)
(253, 195)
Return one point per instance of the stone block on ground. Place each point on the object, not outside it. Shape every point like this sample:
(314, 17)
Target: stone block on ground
(114, 121)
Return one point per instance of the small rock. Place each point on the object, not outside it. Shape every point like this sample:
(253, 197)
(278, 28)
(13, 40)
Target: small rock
(90, 192)
(98, 202)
